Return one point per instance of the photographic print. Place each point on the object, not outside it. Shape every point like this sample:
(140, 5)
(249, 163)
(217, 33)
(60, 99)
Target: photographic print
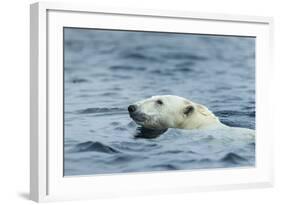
(145, 101)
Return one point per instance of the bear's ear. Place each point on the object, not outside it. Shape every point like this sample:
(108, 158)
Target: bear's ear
(188, 110)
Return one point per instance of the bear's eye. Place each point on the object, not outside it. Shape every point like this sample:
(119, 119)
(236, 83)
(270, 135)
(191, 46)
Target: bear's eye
(159, 102)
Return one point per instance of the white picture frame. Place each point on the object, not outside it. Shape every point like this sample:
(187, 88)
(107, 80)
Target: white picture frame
(46, 179)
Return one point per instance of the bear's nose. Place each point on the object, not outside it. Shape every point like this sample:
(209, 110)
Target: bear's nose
(132, 108)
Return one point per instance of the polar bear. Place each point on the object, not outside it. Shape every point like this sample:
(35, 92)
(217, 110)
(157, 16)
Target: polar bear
(169, 111)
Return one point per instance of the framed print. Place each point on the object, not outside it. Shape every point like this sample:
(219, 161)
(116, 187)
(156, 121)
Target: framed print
(127, 102)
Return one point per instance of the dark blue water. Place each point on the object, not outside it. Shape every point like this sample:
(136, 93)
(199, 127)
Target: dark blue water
(105, 71)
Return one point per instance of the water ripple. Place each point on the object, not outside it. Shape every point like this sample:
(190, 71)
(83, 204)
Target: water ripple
(233, 158)
(90, 146)
(101, 110)
(140, 56)
(184, 56)
(126, 68)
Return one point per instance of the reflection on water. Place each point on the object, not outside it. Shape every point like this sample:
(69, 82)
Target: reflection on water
(105, 71)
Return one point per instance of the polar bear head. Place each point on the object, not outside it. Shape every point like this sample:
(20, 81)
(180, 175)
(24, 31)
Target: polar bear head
(169, 111)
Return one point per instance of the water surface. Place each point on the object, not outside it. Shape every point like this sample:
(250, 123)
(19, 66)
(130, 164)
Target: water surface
(105, 71)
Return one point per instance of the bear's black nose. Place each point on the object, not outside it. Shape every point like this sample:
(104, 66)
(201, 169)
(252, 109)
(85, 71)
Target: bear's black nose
(132, 108)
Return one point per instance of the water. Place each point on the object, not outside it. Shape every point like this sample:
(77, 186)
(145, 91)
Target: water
(105, 71)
